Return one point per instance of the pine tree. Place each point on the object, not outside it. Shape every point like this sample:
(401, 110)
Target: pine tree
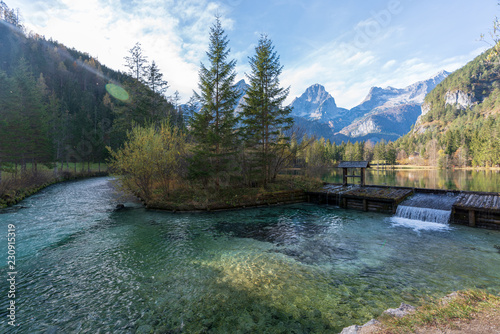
(136, 62)
(158, 86)
(32, 122)
(264, 118)
(213, 127)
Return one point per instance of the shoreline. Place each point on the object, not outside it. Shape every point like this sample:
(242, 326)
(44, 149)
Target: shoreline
(20, 194)
(460, 312)
(374, 166)
(265, 199)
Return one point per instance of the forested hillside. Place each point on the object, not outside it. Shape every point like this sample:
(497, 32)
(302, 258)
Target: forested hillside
(460, 123)
(62, 105)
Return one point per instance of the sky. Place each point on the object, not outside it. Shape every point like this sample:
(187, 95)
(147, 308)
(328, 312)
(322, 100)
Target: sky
(346, 46)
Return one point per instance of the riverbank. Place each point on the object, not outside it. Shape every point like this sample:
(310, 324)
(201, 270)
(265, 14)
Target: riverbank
(286, 190)
(13, 190)
(462, 312)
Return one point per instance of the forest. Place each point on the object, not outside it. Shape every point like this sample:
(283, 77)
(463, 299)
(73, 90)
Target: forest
(57, 103)
(60, 108)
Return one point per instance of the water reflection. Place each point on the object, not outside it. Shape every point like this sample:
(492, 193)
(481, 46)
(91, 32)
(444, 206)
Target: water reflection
(471, 180)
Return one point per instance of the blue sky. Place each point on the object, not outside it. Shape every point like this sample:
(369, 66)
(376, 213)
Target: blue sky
(347, 46)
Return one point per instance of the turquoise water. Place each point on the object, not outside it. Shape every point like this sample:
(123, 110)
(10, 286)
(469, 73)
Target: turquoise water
(85, 268)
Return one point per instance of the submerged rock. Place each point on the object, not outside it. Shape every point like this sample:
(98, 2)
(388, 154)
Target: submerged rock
(119, 207)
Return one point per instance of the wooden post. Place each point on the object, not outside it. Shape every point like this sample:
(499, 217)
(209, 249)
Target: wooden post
(365, 204)
(472, 218)
(344, 176)
(363, 177)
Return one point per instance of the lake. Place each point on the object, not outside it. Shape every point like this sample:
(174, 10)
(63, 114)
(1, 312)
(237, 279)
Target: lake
(458, 179)
(84, 267)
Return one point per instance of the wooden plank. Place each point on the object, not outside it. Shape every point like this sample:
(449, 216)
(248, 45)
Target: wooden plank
(472, 218)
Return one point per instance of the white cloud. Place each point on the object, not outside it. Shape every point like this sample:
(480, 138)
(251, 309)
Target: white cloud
(375, 51)
(389, 64)
(174, 34)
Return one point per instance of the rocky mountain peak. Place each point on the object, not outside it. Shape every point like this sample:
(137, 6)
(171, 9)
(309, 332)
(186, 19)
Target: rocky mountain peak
(315, 104)
(316, 94)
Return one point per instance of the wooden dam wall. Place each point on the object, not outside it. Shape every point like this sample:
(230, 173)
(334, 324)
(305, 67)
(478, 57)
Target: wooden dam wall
(475, 209)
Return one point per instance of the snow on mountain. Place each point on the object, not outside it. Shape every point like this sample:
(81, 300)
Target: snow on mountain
(391, 97)
(385, 112)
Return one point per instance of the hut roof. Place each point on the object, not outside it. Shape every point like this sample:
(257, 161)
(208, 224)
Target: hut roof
(354, 164)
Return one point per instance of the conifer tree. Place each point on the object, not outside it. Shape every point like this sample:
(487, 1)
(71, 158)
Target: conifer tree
(137, 62)
(213, 127)
(33, 141)
(158, 87)
(264, 118)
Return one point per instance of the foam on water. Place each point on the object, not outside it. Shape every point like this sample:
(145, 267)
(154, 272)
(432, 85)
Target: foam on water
(419, 225)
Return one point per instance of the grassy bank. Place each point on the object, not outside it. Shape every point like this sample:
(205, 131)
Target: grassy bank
(286, 189)
(453, 312)
(14, 187)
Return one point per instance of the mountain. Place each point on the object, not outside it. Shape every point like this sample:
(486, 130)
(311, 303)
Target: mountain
(316, 104)
(385, 113)
(391, 111)
(392, 97)
(460, 121)
(241, 87)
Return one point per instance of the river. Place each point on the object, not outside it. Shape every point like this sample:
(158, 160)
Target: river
(83, 267)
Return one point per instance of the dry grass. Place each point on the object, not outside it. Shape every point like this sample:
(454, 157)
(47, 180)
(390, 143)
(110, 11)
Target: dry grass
(16, 187)
(189, 198)
(442, 314)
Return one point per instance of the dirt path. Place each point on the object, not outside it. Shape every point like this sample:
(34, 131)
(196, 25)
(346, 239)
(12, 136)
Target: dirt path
(483, 323)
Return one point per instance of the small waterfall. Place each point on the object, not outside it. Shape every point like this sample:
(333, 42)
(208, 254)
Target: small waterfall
(427, 208)
(423, 214)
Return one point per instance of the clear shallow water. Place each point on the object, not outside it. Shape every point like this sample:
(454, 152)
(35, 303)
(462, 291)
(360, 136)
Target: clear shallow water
(300, 268)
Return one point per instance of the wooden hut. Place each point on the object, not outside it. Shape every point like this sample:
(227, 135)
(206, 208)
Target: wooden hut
(361, 165)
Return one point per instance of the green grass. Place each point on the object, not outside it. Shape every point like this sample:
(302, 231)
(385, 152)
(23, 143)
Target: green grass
(441, 313)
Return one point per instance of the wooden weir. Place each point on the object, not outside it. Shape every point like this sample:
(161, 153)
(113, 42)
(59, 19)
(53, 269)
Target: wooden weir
(477, 210)
(474, 209)
(368, 198)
